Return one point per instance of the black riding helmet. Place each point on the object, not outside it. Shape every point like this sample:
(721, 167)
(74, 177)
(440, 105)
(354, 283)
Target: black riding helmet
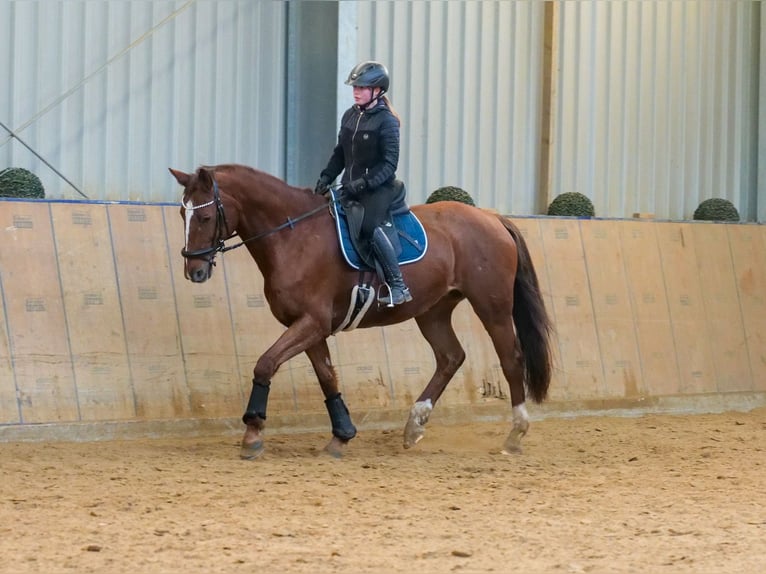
(369, 75)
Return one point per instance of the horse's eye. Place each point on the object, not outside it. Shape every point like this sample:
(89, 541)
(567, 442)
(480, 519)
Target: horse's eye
(204, 217)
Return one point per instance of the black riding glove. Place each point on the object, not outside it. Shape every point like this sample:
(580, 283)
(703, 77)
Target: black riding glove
(353, 189)
(323, 185)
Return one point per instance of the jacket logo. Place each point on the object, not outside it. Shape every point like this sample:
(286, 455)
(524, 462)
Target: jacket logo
(365, 136)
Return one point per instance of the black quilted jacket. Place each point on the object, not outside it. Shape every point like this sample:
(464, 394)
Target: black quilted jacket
(368, 146)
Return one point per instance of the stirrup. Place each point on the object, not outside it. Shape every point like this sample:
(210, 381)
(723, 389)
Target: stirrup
(403, 296)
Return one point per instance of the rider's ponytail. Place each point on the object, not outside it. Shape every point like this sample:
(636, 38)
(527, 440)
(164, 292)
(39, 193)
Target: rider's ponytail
(390, 107)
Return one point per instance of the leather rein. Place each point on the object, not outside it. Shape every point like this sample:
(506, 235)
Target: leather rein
(219, 244)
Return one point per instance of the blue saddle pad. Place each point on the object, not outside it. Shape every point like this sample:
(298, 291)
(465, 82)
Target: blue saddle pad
(412, 237)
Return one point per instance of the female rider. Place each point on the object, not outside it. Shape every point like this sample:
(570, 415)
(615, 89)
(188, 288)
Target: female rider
(367, 153)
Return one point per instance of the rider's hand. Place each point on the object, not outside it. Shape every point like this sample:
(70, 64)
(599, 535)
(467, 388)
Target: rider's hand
(322, 186)
(353, 189)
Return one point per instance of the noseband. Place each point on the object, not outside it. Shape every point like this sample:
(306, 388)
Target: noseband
(218, 245)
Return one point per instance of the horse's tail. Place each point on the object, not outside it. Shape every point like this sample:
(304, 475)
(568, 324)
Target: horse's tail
(533, 325)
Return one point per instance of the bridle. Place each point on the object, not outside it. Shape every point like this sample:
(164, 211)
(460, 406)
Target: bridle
(220, 223)
(219, 238)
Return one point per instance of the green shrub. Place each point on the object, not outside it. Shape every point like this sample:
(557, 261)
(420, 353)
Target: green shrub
(450, 193)
(20, 182)
(716, 209)
(573, 204)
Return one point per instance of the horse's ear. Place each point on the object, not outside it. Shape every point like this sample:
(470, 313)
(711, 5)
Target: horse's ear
(205, 177)
(181, 177)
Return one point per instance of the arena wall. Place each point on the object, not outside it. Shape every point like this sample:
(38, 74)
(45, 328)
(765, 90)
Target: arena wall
(102, 337)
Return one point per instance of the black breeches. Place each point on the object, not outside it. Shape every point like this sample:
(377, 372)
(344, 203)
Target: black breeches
(376, 205)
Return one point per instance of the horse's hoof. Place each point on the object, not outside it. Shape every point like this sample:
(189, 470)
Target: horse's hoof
(413, 434)
(335, 448)
(415, 427)
(512, 444)
(252, 451)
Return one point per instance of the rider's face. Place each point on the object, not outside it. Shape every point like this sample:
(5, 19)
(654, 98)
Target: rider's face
(365, 94)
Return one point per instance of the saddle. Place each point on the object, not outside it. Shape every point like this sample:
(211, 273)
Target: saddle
(402, 227)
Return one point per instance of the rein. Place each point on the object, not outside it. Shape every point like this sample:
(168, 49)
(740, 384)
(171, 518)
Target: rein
(289, 223)
(220, 245)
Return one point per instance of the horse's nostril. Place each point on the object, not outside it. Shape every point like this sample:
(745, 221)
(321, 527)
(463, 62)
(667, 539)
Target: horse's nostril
(199, 275)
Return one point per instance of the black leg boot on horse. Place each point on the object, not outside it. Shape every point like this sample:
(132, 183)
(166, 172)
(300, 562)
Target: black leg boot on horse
(398, 292)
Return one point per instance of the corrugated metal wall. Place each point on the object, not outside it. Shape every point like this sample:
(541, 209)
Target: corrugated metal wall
(465, 79)
(656, 105)
(113, 93)
(761, 159)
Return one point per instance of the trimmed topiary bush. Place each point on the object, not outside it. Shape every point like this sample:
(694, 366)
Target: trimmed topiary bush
(716, 209)
(450, 193)
(573, 204)
(20, 182)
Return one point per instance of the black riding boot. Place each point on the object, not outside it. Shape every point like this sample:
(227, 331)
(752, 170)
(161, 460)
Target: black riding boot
(398, 292)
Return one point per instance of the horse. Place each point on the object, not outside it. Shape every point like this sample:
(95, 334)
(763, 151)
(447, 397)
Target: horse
(472, 254)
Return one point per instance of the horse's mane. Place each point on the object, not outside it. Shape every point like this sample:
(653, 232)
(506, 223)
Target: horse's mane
(273, 180)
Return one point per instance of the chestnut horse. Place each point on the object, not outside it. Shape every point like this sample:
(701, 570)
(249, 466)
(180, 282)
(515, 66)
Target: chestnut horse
(472, 254)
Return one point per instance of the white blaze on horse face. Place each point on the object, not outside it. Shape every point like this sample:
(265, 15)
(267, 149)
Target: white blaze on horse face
(188, 213)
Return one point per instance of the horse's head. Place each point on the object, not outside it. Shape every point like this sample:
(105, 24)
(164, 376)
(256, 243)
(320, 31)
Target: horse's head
(205, 222)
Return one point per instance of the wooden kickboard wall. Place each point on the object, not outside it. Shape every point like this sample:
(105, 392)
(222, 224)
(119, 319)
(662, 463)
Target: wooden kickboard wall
(98, 323)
